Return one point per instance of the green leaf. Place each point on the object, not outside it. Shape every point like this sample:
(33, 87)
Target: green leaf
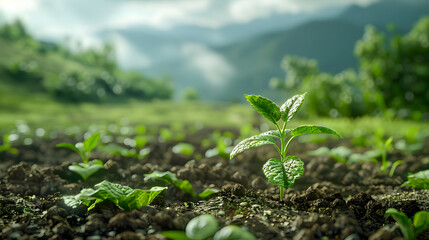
(284, 174)
(183, 148)
(91, 142)
(183, 185)
(138, 198)
(175, 235)
(69, 146)
(311, 129)
(201, 227)
(233, 232)
(291, 107)
(255, 141)
(207, 192)
(265, 107)
(418, 180)
(403, 221)
(123, 196)
(421, 221)
(86, 170)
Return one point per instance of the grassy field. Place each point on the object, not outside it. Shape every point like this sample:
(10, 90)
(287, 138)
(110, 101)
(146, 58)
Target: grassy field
(40, 110)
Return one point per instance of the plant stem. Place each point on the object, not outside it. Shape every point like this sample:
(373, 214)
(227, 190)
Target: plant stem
(282, 152)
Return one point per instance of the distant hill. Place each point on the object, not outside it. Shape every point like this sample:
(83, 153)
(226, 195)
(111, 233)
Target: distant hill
(258, 60)
(331, 42)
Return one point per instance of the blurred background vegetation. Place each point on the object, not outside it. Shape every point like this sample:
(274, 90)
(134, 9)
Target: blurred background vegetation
(356, 60)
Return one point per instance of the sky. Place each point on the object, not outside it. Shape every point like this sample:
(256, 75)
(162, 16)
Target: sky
(83, 20)
(58, 18)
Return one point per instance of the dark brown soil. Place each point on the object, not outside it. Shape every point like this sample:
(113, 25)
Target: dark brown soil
(331, 201)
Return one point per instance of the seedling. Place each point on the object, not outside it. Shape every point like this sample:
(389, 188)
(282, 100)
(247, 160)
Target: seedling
(420, 222)
(7, 145)
(205, 227)
(285, 171)
(223, 145)
(386, 147)
(183, 148)
(418, 180)
(183, 185)
(123, 196)
(87, 168)
(114, 149)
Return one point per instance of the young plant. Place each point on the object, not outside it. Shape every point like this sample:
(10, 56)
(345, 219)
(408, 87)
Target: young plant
(7, 145)
(420, 222)
(384, 148)
(183, 185)
(86, 168)
(205, 227)
(285, 171)
(123, 196)
(418, 180)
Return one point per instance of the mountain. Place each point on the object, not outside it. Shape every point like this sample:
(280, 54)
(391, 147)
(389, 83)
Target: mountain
(331, 42)
(402, 13)
(222, 63)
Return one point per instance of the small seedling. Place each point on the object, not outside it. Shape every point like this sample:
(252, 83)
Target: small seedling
(123, 196)
(7, 145)
(384, 148)
(285, 171)
(87, 168)
(183, 185)
(418, 180)
(184, 149)
(205, 227)
(420, 222)
(117, 150)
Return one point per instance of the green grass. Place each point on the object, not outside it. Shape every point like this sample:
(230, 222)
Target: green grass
(40, 110)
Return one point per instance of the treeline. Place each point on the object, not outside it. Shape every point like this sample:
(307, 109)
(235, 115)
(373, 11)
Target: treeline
(75, 76)
(392, 79)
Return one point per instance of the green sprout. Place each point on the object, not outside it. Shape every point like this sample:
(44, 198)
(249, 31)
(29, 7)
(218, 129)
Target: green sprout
(183, 185)
(7, 145)
(418, 180)
(123, 196)
(420, 222)
(285, 171)
(86, 168)
(386, 147)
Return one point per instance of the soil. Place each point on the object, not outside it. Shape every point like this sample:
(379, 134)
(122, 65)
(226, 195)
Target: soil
(331, 200)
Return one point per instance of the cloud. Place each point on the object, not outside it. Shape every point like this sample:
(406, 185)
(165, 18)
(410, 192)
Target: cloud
(212, 66)
(128, 56)
(161, 14)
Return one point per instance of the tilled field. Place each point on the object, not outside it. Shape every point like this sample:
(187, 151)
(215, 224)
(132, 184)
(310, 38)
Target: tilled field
(331, 200)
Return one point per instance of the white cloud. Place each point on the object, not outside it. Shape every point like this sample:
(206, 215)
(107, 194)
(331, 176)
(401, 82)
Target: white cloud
(128, 56)
(213, 67)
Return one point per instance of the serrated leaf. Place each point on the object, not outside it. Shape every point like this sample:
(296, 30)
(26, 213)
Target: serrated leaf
(265, 107)
(86, 170)
(311, 129)
(139, 198)
(255, 141)
(284, 174)
(69, 146)
(291, 107)
(91, 142)
(123, 196)
(421, 221)
(201, 227)
(403, 221)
